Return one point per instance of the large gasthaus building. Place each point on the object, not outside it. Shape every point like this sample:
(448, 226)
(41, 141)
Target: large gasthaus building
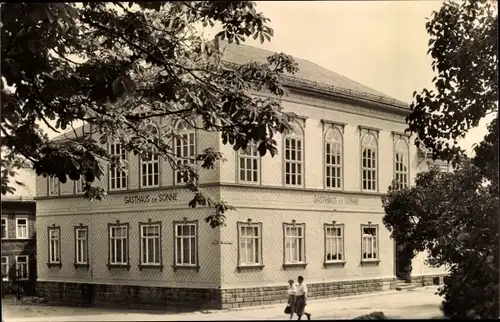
(313, 210)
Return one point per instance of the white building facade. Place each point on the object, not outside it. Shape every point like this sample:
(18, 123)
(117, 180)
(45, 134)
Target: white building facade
(313, 210)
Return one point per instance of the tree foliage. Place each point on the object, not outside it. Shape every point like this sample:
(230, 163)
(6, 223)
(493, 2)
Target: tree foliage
(464, 47)
(458, 227)
(454, 216)
(117, 67)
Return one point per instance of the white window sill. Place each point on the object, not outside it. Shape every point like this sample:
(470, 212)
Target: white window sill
(115, 189)
(54, 264)
(119, 265)
(184, 266)
(333, 263)
(250, 266)
(296, 264)
(151, 265)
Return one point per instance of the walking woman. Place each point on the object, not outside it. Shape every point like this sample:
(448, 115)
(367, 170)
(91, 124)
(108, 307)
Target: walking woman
(290, 306)
(301, 298)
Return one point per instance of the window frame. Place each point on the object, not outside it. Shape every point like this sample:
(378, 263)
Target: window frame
(27, 267)
(241, 154)
(79, 183)
(294, 136)
(27, 228)
(303, 262)
(55, 181)
(7, 271)
(259, 238)
(141, 240)
(176, 265)
(123, 175)
(374, 134)
(76, 229)
(6, 225)
(334, 128)
(126, 264)
(154, 159)
(335, 225)
(377, 243)
(187, 130)
(406, 161)
(51, 262)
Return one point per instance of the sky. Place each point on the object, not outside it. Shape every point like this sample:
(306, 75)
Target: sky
(381, 44)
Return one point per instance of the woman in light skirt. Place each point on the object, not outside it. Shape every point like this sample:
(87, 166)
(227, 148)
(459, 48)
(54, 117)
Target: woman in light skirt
(290, 306)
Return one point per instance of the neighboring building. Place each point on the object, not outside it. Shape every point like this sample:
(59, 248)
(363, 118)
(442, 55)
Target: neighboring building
(18, 236)
(312, 210)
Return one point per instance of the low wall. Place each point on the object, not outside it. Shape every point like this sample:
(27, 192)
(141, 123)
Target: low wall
(242, 297)
(427, 280)
(137, 297)
(143, 297)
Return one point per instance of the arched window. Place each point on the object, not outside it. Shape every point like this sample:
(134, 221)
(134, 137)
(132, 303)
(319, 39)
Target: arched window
(249, 164)
(294, 156)
(401, 156)
(150, 163)
(333, 159)
(53, 185)
(117, 177)
(185, 149)
(369, 162)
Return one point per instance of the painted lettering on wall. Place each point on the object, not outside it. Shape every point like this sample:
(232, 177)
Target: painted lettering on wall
(337, 200)
(158, 198)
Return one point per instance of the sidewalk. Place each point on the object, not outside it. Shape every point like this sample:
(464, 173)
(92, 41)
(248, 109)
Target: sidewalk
(421, 303)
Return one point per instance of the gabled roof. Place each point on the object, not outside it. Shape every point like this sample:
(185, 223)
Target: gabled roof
(309, 74)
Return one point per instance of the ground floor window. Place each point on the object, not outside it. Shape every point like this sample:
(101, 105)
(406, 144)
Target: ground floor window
(118, 244)
(5, 268)
(294, 240)
(250, 244)
(186, 243)
(81, 245)
(22, 267)
(369, 242)
(334, 243)
(150, 243)
(54, 245)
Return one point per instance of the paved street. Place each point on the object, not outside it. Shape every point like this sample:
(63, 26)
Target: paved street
(420, 303)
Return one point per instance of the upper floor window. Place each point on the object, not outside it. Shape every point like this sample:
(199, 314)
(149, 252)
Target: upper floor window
(117, 177)
(54, 245)
(249, 164)
(369, 156)
(53, 186)
(186, 243)
(79, 185)
(21, 228)
(333, 159)
(294, 156)
(5, 228)
(185, 149)
(118, 244)
(250, 244)
(369, 242)
(401, 156)
(150, 163)
(294, 236)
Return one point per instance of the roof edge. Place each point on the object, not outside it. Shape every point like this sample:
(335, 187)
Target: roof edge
(306, 84)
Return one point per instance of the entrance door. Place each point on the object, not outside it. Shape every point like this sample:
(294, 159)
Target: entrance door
(402, 263)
